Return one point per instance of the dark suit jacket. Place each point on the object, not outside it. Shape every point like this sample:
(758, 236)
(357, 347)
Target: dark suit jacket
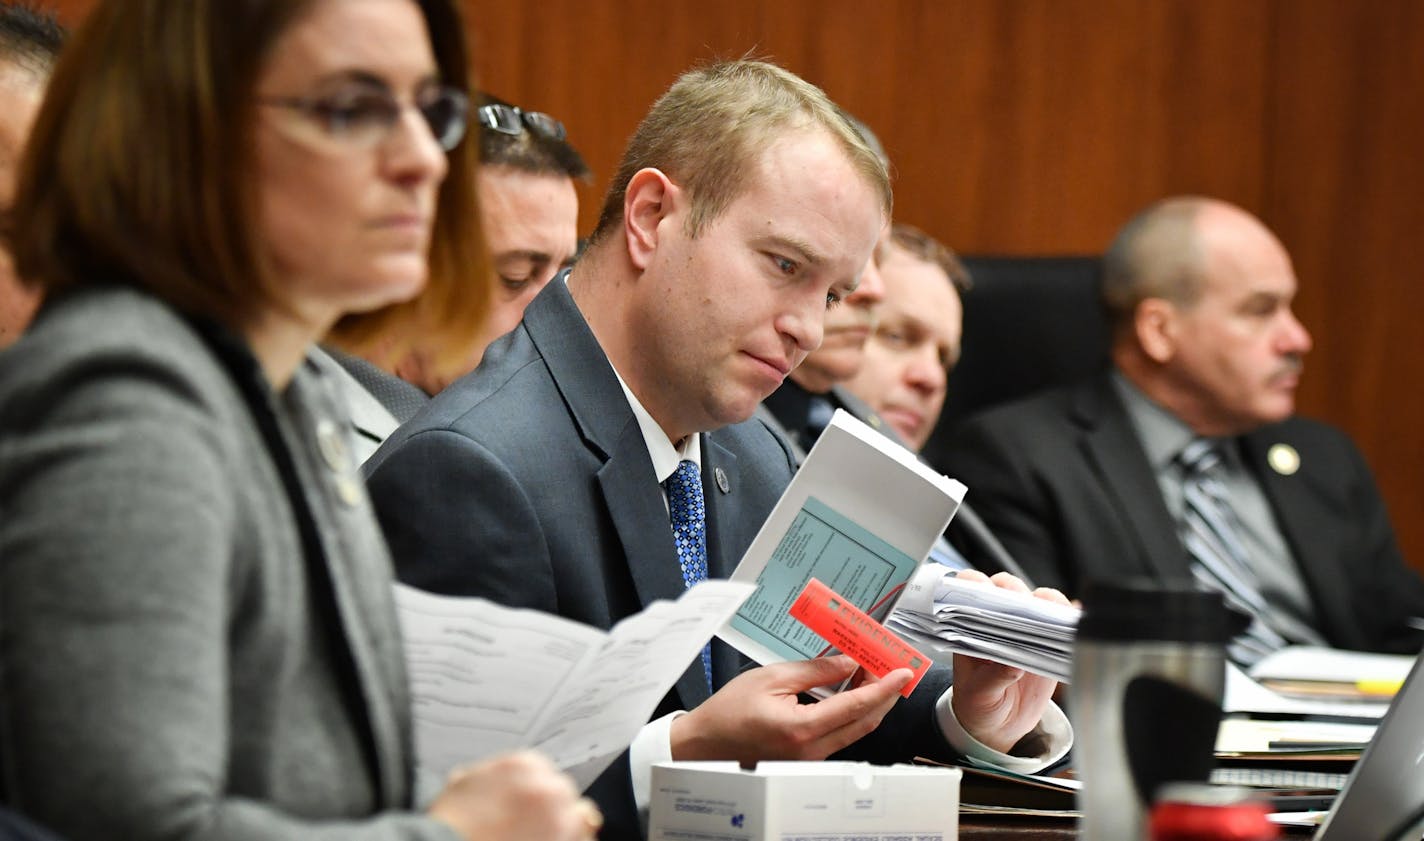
(774, 412)
(528, 482)
(1063, 480)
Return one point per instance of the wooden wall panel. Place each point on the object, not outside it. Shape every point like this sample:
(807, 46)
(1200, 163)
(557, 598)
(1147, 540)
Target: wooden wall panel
(1012, 125)
(1346, 194)
(1037, 126)
(70, 12)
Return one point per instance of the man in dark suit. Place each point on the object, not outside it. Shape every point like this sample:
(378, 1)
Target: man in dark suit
(904, 371)
(547, 479)
(835, 375)
(529, 217)
(801, 407)
(1098, 479)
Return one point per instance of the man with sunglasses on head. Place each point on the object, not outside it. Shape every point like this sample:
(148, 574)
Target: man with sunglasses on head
(603, 456)
(528, 204)
(529, 217)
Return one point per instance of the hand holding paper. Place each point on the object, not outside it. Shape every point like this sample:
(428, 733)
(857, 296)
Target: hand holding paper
(995, 703)
(944, 613)
(856, 634)
(760, 716)
(860, 515)
(487, 678)
(514, 796)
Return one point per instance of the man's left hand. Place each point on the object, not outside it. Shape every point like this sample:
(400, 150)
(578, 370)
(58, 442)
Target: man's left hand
(997, 704)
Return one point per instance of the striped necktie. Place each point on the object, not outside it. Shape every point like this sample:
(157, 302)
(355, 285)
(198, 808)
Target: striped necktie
(1211, 533)
(689, 531)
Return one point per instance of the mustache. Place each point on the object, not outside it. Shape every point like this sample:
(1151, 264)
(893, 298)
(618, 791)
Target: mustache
(1292, 365)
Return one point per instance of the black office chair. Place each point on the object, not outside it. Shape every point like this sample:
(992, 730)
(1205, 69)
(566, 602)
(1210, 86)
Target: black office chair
(1030, 323)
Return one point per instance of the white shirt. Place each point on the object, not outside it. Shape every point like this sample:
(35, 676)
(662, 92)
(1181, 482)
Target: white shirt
(653, 743)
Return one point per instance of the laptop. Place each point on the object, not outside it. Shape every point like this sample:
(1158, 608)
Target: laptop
(1383, 798)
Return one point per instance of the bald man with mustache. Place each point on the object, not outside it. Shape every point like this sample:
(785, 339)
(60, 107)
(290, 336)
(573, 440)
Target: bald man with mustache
(1186, 459)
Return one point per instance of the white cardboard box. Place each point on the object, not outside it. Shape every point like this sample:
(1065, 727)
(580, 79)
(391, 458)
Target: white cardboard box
(803, 801)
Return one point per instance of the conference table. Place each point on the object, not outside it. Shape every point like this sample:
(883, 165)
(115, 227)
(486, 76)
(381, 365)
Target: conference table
(999, 828)
(980, 828)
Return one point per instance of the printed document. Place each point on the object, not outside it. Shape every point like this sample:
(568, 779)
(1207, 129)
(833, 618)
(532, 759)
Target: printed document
(486, 679)
(860, 515)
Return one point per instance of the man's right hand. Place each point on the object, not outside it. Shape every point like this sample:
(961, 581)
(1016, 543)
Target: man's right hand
(759, 716)
(516, 797)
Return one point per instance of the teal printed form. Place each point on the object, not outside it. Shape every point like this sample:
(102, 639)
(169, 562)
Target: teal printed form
(823, 544)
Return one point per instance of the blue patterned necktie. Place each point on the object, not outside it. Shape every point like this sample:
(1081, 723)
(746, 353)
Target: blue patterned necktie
(689, 531)
(1219, 560)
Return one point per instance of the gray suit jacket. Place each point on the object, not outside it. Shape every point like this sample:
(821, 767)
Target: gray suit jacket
(1062, 479)
(188, 650)
(528, 482)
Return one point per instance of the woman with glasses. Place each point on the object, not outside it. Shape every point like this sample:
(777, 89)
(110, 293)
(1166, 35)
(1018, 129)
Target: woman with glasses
(197, 638)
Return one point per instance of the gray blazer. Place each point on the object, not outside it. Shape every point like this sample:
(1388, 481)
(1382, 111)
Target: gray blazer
(185, 653)
(371, 422)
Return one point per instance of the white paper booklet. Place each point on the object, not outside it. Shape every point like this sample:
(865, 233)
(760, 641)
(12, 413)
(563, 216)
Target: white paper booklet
(942, 616)
(1244, 695)
(860, 515)
(1332, 665)
(487, 678)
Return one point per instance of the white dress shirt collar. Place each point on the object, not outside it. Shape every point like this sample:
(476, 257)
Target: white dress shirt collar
(664, 453)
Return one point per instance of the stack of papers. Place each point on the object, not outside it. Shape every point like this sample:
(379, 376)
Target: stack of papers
(943, 616)
(1245, 737)
(1326, 673)
(1246, 696)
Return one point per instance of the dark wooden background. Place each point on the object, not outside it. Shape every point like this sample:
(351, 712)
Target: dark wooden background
(1036, 127)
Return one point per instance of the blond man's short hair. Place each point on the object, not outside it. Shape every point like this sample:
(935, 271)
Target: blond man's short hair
(706, 132)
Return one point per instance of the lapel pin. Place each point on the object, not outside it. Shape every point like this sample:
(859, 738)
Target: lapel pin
(1283, 459)
(349, 489)
(333, 448)
(722, 484)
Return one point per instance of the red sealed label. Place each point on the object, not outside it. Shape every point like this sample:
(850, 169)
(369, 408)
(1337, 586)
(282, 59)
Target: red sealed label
(850, 629)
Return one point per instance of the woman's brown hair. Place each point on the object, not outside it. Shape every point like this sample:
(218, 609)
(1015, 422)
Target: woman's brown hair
(138, 167)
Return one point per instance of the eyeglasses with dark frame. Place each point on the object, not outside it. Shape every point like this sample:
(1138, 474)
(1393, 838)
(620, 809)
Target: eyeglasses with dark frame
(366, 117)
(508, 119)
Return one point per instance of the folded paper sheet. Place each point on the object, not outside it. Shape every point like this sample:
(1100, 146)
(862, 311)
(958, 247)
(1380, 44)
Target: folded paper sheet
(487, 678)
(860, 514)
